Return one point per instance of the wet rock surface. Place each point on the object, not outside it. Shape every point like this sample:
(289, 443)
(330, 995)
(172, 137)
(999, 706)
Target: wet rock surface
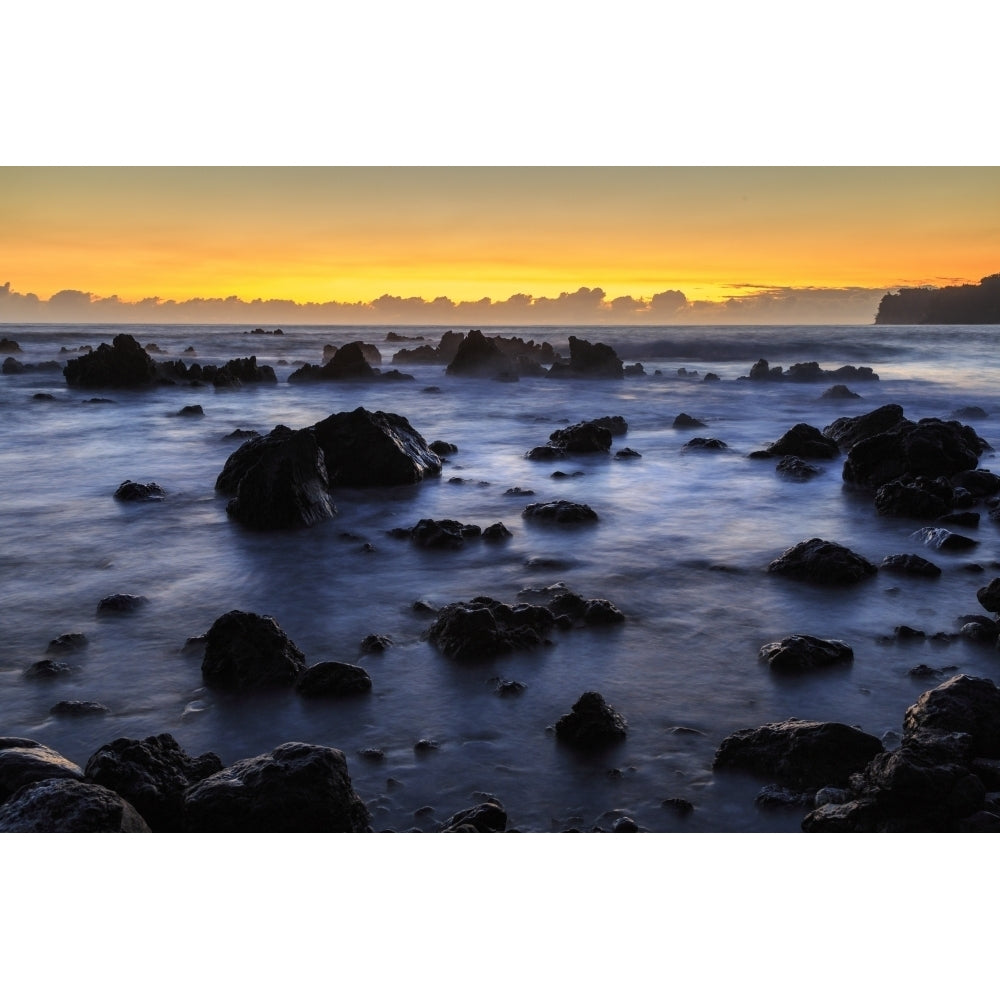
(333, 679)
(820, 561)
(796, 653)
(560, 512)
(67, 806)
(591, 723)
(296, 788)
(244, 651)
(24, 762)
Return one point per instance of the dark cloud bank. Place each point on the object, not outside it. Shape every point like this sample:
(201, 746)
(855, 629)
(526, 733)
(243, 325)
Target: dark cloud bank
(586, 306)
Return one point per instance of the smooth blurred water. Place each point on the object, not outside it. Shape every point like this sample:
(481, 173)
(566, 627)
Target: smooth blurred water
(681, 547)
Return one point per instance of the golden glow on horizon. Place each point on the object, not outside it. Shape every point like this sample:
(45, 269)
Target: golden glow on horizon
(353, 234)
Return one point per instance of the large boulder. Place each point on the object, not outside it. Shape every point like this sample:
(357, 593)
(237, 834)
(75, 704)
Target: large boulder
(848, 431)
(820, 561)
(121, 364)
(280, 481)
(23, 762)
(296, 788)
(61, 805)
(929, 447)
(799, 754)
(586, 436)
(915, 496)
(962, 704)
(591, 723)
(587, 360)
(797, 653)
(244, 650)
(152, 774)
(364, 448)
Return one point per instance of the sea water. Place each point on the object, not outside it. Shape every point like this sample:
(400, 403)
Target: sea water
(681, 547)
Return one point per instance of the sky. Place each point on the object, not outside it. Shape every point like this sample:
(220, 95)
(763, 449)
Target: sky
(500, 245)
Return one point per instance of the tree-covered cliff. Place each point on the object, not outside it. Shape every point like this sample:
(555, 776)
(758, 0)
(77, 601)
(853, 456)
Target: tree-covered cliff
(954, 304)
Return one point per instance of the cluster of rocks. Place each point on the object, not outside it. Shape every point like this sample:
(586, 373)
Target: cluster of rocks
(352, 362)
(587, 360)
(153, 785)
(484, 627)
(284, 479)
(808, 371)
(11, 366)
(446, 533)
(585, 437)
(125, 364)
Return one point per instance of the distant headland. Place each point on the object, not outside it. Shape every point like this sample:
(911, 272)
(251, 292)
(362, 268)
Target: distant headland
(953, 304)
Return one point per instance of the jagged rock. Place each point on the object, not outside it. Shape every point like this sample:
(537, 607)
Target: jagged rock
(584, 437)
(152, 774)
(487, 817)
(839, 392)
(353, 361)
(481, 357)
(560, 512)
(930, 447)
(942, 538)
(804, 441)
(122, 363)
(331, 679)
(820, 561)
(296, 788)
(139, 491)
(484, 628)
(587, 360)
(67, 806)
(591, 722)
(798, 753)
(796, 653)
(23, 762)
(911, 565)
(848, 431)
(443, 534)
(244, 650)
(962, 704)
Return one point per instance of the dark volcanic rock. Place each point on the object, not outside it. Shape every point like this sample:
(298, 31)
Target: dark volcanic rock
(484, 627)
(331, 679)
(79, 708)
(942, 538)
(120, 603)
(443, 448)
(911, 565)
(560, 512)
(296, 788)
(192, 410)
(805, 441)
(245, 650)
(799, 754)
(989, 596)
(364, 448)
(374, 643)
(587, 360)
(122, 363)
(587, 436)
(819, 561)
(839, 392)
(47, 669)
(591, 722)
(794, 468)
(67, 642)
(280, 480)
(481, 357)
(962, 704)
(706, 444)
(930, 447)
(152, 774)
(918, 497)
(8, 346)
(23, 762)
(848, 431)
(487, 817)
(442, 534)
(67, 806)
(682, 420)
(496, 532)
(796, 653)
(139, 491)
(978, 482)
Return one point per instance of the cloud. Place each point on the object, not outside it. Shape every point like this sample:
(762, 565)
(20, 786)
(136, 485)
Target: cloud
(754, 304)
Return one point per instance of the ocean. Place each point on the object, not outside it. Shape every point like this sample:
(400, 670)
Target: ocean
(681, 548)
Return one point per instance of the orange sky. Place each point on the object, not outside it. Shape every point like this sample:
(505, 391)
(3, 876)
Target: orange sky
(355, 233)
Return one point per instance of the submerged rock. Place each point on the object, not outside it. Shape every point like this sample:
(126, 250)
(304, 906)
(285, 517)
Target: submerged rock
(912, 565)
(331, 679)
(296, 788)
(120, 603)
(794, 468)
(560, 512)
(139, 491)
(244, 650)
(820, 561)
(483, 628)
(706, 444)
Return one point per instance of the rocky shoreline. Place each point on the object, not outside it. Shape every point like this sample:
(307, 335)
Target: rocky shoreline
(944, 776)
